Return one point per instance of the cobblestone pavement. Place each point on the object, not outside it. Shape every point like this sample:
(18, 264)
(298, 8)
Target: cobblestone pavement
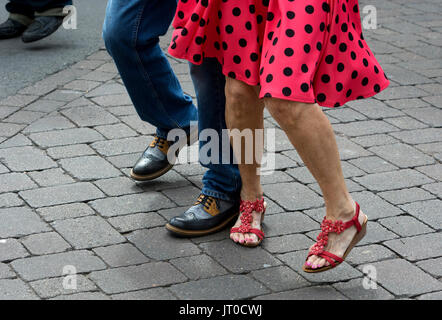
(67, 144)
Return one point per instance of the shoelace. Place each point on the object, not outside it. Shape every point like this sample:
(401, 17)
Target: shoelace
(206, 201)
(157, 141)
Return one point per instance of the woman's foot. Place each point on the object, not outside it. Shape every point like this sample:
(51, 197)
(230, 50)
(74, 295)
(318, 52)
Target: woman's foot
(337, 243)
(256, 210)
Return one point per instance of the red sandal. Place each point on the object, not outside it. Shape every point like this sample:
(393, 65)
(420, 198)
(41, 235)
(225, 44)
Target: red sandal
(246, 208)
(328, 226)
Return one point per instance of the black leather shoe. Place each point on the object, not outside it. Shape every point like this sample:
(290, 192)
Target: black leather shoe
(207, 215)
(41, 28)
(11, 29)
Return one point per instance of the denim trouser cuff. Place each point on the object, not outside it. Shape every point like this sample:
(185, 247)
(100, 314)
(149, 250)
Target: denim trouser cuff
(218, 195)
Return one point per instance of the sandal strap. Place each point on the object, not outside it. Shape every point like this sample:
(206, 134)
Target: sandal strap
(246, 208)
(259, 233)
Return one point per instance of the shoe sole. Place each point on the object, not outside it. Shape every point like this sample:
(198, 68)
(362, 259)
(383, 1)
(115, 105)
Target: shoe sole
(150, 176)
(358, 237)
(198, 233)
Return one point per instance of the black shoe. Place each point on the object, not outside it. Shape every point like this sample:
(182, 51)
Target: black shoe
(207, 215)
(154, 162)
(41, 28)
(11, 29)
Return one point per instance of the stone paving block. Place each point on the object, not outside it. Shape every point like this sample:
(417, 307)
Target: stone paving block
(426, 211)
(432, 266)
(149, 275)
(434, 188)
(134, 121)
(402, 155)
(6, 111)
(287, 243)
(406, 195)
(43, 105)
(349, 149)
(10, 200)
(137, 221)
(6, 272)
(434, 171)
(158, 244)
(82, 232)
(63, 95)
(369, 253)
(198, 267)
(121, 255)
(400, 179)
(190, 169)
(51, 177)
(362, 128)
(125, 160)
(120, 146)
(48, 124)
(376, 234)
(417, 247)
(89, 168)
(50, 196)
(407, 123)
(374, 109)
(26, 159)
(406, 103)
(351, 186)
(391, 275)
(19, 140)
(89, 116)
(23, 116)
(405, 226)
(279, 278)
(18, 100)
(228, 287)
(149, 294)
(65, 211)
(374, 206)
(226, 252)
(15, 289)
(292, 196)
(134, 203)
(75, 150)
(118, 186)
(346, 115)
(51, 266)
(3, 169)
(20, 221)
(48, 288)
(309, 293)
(401, 92)
(431, 296)
(355, 290)
(12, 249)
(45, 243)
(113, 100)
(82, 296)
(276, 177)
(116, 131)
(295, 260)
(419, 136)
(65, 137)
(81, 85)
(374, 140)
(373, 164)
(288, 223)
(183, 196)
(10, 129)
(167, 181)
(109, 88)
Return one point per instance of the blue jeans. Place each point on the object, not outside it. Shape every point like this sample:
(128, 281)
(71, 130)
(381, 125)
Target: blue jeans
(131, 33)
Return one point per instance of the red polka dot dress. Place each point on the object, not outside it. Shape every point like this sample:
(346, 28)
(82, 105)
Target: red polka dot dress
(306, 51)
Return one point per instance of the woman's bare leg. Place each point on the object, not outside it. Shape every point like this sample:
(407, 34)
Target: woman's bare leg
(244, 111)
(311, 133)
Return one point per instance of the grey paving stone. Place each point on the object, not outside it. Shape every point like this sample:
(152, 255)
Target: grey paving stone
(120, 146)
(51, 177)
(432, 266)
(287, 223)
(183, 196)
(228, 287)
(428, 115)
(425, 211)
(349, 149)
(89, 168)
(3, 169)
(198, 267)
(50, 196)
(82, 232)
(19, 140)
(112, 100)
(26, 159)
(276, 177)
(374, 206)
(20, 221)
(53, 265)
(226, 252)
(48, 288)
(374, 109)
(10, 200)
(406, 103)
(15, 289)
(417, 247)
(434, 188)
(134, 203)
(75, 150)
(6, 111)
(402, 155)
(401, 93)
(362, 128)
(44, 105)
(280, 278)
(10, 129)
(309, 293)
(149, 294)
(391, 274)
(81, 85)
(351, 186)
(66, 211)
(376, 234)
(18, 100)
(292, 196)
(369, 253)
(405, 226)
(118, 186)
(48, 124)
(83, 296)
(434, 171)
(431, 296)
(355, 290)
(373, 164)
(116, 131)
(158, 244)
(45, 243)
(419, 136)
(406, 195)
(346, 115)
(63, 95)
(64, 137)
(134, 121)
(12, 249)
(89, 116)
(407, 123)
(124, 160)
(149, 275)
(132, 222)
(287, 243)
(295, 260)
(400, 179)
(374, 140)
(6, 272)
(121, 255)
